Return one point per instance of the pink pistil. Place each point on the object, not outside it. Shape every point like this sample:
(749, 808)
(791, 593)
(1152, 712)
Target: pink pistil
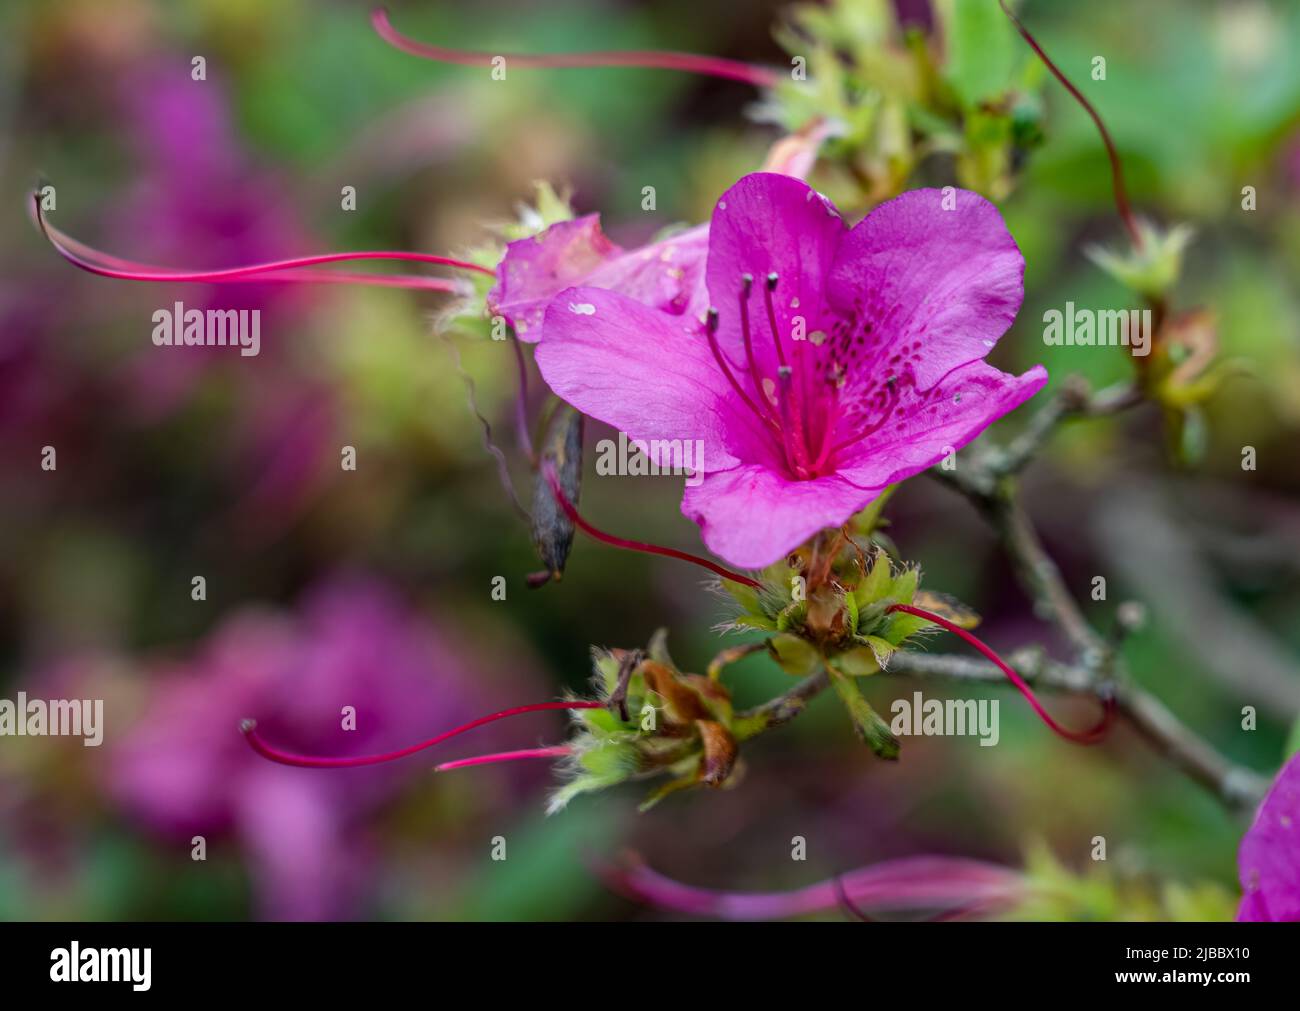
(1090, 736)
(1116, 166)
(291, 270)
(548, 469)
(557, 751)
(249, 729)
(709, 66)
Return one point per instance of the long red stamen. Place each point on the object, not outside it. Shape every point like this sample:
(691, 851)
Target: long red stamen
(792, 427)
(711, 332)
(768, 288)
(709, 66)
(249, 728)
(292, 270)
(747, 285)
(1090, 736)
(556, 751)
(1116, 167)
(620, 542)
(791, 387)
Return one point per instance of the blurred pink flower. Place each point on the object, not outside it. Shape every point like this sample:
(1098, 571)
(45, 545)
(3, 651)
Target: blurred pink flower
(1269, 858)
(185, 768)
(198, 200)
(949, 886)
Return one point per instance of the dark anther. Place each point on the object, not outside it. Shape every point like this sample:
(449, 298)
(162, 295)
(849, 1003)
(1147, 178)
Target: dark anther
(747, 282)
(772, 280)
(712, 320)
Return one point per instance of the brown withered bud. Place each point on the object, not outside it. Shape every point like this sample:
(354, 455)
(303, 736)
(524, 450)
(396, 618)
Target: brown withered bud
(706, 688)
(825, 617)
(551, 527)
(682, 704)
(720, 752)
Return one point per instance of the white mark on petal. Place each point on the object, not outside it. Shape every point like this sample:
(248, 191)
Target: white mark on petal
(582, 308)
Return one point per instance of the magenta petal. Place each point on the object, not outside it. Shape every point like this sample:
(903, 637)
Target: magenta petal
(753, 515)
(940, 421)
(1269, 857)
(951, 279)
(769, 223)
(645, 372)
(666, 275)
(536, 269)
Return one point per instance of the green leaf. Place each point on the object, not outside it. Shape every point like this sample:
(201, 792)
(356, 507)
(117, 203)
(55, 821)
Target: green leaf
(851, 613)
(613, 759)
(792, 615)
(866, 521)
(1153, 269)
(746, 596)
(904, 586)
(881, 649)
(657, 650)
(796, 656)
(873, 730)
(560, 799)
(876, 583)
(981, 48)
(1192, 433)
(606, 666)
(857, 663)
(666, 789)
(899, 627)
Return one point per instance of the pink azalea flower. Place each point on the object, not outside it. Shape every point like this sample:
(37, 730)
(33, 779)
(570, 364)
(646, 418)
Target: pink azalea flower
(837, 362)
(1269, 858)
(184, 769)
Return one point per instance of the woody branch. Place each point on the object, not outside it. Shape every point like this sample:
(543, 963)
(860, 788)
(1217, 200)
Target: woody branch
(986, 477)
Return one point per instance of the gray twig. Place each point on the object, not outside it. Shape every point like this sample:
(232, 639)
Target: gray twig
(986, 477)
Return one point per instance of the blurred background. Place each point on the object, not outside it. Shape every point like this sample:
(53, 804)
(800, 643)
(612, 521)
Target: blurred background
(373, 588)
